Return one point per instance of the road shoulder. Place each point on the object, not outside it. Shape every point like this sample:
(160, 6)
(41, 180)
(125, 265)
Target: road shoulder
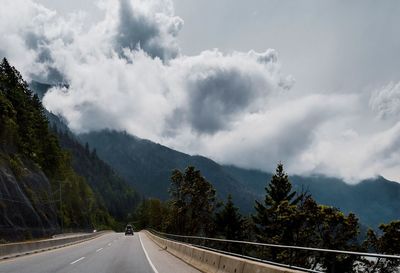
(162, 260)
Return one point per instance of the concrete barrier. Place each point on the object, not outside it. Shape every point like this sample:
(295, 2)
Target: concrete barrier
(229, 264)
(174, 248)
(24, 248)
(214, 262)
(197, 257)
(187, 252)
(211, 262)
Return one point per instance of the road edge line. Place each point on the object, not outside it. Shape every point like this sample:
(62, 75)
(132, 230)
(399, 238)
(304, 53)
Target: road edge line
(147, 256)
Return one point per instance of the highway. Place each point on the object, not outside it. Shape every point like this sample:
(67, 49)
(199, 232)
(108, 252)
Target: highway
(109, 253)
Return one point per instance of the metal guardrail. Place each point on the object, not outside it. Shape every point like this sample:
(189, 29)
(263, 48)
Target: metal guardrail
(186, 239)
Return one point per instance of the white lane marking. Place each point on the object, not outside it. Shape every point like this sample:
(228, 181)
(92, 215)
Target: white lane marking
(147, 256)
(109, 244)
(100, 249)
(80, 259)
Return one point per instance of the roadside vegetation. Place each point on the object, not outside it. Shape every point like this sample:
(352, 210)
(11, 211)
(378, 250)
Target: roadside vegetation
(284, 217)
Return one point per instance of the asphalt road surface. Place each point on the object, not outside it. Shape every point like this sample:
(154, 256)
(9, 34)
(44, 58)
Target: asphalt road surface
(109, 253)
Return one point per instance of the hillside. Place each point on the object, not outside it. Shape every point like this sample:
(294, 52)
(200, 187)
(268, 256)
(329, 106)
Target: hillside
(33, 168)
(111, 190)
(374, 201)
(148, 166)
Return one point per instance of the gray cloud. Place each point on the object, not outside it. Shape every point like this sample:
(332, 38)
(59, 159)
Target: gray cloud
(216, 96)
(126, 72)
(220, 88)
(154, 34)
(386, 101)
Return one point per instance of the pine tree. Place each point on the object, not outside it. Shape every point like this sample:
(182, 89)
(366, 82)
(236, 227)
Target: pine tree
(279, 203)
(280, 189)
(275, 219)
(229, 221)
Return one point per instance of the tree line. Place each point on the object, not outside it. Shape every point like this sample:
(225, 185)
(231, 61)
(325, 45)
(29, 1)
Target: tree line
(284, 217)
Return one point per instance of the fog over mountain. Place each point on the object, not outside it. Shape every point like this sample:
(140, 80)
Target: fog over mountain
(127, 71)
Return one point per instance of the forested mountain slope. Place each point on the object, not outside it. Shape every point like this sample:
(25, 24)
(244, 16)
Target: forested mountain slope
(375, 201)
(148, 167)
(111, 190)
(33, 168)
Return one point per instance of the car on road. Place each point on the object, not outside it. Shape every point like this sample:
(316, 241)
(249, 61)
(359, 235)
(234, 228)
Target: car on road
(129, 230)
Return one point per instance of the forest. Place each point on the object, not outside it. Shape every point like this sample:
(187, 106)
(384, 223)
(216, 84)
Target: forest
(285, 217)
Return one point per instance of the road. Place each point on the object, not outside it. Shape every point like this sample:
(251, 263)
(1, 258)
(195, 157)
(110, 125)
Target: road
(109, 253)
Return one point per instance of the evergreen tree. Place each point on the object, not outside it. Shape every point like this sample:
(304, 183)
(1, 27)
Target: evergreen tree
(273, 217)
(229, 221)
(288, 218)
(193, 202)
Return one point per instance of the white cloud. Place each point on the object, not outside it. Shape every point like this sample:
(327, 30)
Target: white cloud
(126, 72)
(386, 101)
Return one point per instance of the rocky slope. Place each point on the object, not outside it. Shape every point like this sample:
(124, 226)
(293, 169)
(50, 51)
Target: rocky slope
(27, 207)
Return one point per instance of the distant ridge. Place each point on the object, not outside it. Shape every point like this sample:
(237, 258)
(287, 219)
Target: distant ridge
(147, 166)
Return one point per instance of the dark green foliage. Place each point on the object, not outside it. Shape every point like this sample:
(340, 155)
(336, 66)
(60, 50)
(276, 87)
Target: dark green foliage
(289, 219)
(280, 188)
(193, 202)
(229, 222)
(29, 147)
(154, 214)
(25, 121)
(111, 190)
(334, 230)
(374, 201)
(147, 166)
(285, 218)
(190, 210)
(277, 212)
(387, 243)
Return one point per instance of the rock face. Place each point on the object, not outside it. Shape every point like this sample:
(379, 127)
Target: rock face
(27, 205)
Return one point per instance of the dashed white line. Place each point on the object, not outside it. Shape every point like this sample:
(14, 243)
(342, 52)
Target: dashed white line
(147, 256)
(100, 249)
(109, 244)
(80, 259)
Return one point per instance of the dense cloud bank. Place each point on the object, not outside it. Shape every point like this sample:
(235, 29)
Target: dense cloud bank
(126, 72)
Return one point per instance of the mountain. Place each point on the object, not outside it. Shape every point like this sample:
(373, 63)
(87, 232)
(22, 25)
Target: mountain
(374, 201)
(39, 88)
(34, 168)
(148, 166)
(111, 190)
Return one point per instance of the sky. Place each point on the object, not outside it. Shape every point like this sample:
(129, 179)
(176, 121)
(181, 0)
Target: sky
(313, 84)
